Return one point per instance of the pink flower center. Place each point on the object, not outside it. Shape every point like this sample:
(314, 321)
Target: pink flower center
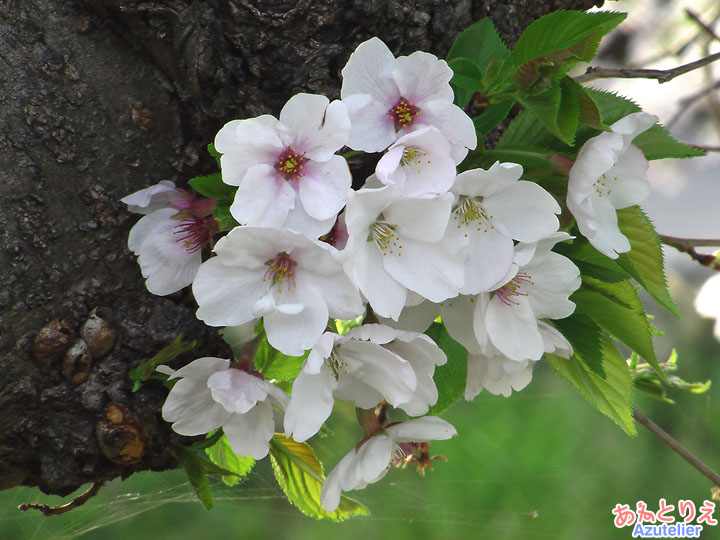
(196, 232)
(513, 288)
(290, 164)
(281, 269)
(403, 113)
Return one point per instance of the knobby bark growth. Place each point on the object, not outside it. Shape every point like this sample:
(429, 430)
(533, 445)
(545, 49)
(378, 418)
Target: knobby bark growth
(100, 98)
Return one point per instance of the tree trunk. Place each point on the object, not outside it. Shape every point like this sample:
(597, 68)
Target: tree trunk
(100, 98)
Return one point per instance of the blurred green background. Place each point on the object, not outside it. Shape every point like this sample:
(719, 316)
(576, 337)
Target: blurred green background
(540, 464)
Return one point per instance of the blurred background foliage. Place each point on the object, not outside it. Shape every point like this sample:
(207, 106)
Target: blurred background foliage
(540, 464)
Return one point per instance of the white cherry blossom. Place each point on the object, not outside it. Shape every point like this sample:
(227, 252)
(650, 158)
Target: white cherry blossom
(418, 164)
(292, 282)
(286, 170)
(394, 246)
(491, 209)
(608, 174)
(210, 394)
(370, 363)
(388, 97)
(369, 463)
(707, 302)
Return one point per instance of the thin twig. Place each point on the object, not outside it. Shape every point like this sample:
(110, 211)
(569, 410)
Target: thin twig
(706, 27)
(48, 510)
(688, 245)
(706, 148)
(683, 452)
(662, 75)
(686, 102)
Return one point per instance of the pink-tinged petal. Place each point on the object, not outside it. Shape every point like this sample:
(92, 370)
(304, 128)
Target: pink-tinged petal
(324, 188)
(457, 315)
(513, 329)
(191, 408)
(293, 334)
(369, 70)
(371, 128)
(244, 143)
(626, 183)
(526, 211)
(202, 368)
(453, 123)
(385, 294)
(236, 390)
(427, 269)
(249, 434)
(152, 198)
(226, 295)
(371, 462)
(263, 199)
(554, 278)
(251, 247)
(421, 219)
(633, 125)
(330, 136)
(421, 77)
(311, 403)
(426, 428)
(167, 264)
(157, 222)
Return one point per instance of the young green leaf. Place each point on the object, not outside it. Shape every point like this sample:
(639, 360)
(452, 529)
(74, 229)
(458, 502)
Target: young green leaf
(197, 469)
(275, 365)
(585, 337)
(526, 131)
(617, 308)
(450, 379)
(214, 153)
(494, 114)
(591, 262)
(213, 186)
(611, 395)
(644, 262)
(301, 477)
(142, 372)
(480, 44)
(465, 81)
(562, 30)
(557, 107)
(224, 218)
(222, 455)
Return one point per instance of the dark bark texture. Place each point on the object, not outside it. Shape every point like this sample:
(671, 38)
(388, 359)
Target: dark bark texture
(100, 98)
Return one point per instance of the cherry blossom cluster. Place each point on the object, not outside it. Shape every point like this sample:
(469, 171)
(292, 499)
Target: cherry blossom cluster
(417, 241)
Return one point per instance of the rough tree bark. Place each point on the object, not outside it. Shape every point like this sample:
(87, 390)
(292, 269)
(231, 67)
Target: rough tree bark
(100, 98)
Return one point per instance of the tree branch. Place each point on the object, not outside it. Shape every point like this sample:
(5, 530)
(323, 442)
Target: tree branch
(683, 452)
(662, 75)
(48, 510)
(688, 245)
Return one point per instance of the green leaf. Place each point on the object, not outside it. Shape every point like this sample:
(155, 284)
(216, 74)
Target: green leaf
(494, 114)
(214, 153)
(301, 477)
(590, 261)
(465, 81)
(450, 379)
(585, 337)
(617, 308)
(611, 395)
(343, 327)
(140, 373)
(222, 455)
(561, 30)
(213, 186)
(224, 218)
(197, 469)
(526, 131)
(557, 107)
(588, 108)
(480, 44)
(275, 365)
(656, 142)
(644, 262)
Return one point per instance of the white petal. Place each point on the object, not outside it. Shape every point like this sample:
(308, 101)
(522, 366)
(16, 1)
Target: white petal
(191, 408)
(299, 221)
(372, 129)
(422, 77)
(313, 126)
(324, 188)
(422, 219)
(310, 404)
(332, 488)
(244, 143)
(202, 368)
(526, 210)
(263, 198)
(457, 315)
(607, 239)
(236, 390)
(167, 264)
(426, 428)
(513, 329)
(226, 295)
(626, 182)
(369, 70)
(152, 198)
(633, 125)
(554, 278)
(453, 123)
(487, 257)
(249, 434)
(157, 222)
(371, 463)
(555, 342)
(320, 351)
